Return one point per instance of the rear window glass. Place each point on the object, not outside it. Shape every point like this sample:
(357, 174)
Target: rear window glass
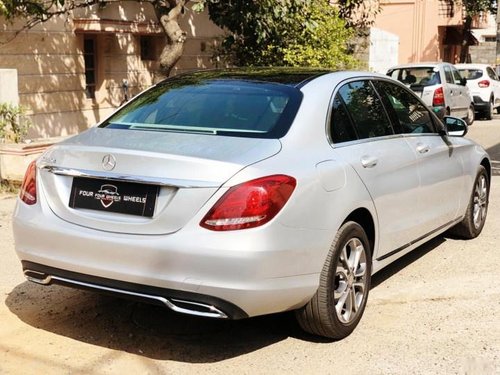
(366, 110)
(471, 73)
(213, 106)
(416, 76)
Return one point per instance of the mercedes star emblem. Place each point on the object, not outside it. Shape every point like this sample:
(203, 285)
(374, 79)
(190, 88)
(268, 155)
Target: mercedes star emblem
(108, 162)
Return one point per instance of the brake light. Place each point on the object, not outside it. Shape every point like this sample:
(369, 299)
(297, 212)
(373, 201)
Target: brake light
(250, 204)
(484, 83)
(28, 188)
(438, 99)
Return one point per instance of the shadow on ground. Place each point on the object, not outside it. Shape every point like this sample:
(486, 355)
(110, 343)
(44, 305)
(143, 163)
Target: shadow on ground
(157, 333)
(406, 260)
(143, 329)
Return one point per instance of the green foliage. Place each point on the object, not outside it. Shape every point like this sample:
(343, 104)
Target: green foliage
(16, 8)
(282, 32)
(358, 13)
(475, 7)
(323, 42)
(13, 123)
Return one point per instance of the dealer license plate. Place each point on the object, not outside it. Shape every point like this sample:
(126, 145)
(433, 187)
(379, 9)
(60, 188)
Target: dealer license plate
(114, 196)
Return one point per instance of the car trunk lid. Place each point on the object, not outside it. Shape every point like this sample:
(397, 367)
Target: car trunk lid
(107, 167)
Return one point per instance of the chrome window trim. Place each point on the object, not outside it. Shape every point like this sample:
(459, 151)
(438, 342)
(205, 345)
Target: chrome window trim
(147, 180)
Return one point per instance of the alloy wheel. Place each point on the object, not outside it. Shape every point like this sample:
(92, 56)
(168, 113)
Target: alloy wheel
(350, 281)
(480, 201)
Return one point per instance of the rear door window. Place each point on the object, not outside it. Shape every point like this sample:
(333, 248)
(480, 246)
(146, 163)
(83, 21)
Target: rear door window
(341, 127)
(457, 78)
(449, 75)
(365, 109)
(410, 115)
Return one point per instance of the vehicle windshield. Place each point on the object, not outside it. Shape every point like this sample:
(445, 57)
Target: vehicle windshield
(233, 107)
(416, 76)
(471, 73)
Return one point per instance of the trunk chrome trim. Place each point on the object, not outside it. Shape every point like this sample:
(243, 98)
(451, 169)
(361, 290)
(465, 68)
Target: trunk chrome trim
(148, 180)
(211, 311)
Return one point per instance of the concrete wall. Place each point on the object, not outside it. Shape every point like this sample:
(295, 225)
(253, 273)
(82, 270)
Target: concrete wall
(485, 53)
(384, 50)
(8, 86)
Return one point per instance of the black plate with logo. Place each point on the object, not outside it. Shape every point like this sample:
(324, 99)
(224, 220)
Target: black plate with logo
(113, 196)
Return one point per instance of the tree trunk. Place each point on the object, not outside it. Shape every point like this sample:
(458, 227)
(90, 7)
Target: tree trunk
(174, 47)
(464, 50)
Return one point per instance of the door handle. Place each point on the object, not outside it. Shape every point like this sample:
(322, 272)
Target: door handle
(368, 161)
(422, 148)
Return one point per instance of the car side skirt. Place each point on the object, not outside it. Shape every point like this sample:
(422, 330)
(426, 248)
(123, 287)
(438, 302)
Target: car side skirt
(426, 236)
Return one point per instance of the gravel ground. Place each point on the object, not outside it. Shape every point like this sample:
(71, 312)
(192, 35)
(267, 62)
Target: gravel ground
(436, 311)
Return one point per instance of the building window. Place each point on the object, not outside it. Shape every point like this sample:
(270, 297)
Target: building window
(446, 8)
(89, 55)
(147, 48)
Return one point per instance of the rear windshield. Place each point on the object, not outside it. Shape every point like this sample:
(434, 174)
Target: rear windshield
(416, 76)
(213, 106)
(471, 73)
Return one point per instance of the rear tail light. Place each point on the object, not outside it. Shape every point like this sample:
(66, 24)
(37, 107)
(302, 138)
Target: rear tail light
(484, 83)
(250, 204)
(438, 99)
(28, 188)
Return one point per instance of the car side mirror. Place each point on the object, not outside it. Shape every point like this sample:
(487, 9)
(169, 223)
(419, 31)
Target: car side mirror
(463, 81)
(455, 126)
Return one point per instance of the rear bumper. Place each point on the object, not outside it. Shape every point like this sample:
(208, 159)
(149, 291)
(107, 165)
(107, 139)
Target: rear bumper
(479, 104)
(242, 273)
(179, 301)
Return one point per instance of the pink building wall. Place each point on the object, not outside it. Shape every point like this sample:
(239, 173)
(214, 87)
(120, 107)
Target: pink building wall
(427, 29)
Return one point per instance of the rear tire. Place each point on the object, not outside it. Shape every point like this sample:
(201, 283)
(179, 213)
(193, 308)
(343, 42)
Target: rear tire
(488, 112)
(475, 216)
(470, 115)
(338, 305)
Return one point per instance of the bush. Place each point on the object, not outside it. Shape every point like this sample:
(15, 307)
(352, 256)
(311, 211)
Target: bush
(14, 124)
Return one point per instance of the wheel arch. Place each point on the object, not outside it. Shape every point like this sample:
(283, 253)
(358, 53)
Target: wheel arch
(487, 165)
(364, 218)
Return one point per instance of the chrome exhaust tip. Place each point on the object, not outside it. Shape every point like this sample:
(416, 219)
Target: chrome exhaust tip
(174, 304)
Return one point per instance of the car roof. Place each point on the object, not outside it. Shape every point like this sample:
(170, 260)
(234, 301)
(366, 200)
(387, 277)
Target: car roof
(283, 75)
(418, 65)
(477, 66)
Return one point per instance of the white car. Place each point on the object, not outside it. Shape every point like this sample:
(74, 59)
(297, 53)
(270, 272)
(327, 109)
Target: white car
(484, 87)
(440, 86)
(232, 194)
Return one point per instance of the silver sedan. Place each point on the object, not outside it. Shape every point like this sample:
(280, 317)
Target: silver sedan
(231, 194)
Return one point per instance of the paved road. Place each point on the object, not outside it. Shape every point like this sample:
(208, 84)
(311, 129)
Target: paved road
(436, 311)
(487, 133)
